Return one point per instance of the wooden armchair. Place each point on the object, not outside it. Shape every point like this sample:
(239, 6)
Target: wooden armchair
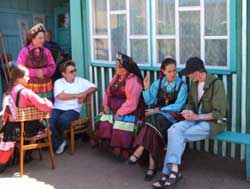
(80, 125)
(38, 141)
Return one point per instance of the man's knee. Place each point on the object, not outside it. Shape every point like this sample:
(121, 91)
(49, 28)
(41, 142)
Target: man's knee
(62, 122)
(172, 130)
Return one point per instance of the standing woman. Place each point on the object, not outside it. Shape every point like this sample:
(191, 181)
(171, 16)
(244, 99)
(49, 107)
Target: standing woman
(166, 98)
(120, 107)
(39, 61)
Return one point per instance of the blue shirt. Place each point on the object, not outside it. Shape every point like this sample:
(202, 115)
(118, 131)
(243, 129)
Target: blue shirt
(150, 95)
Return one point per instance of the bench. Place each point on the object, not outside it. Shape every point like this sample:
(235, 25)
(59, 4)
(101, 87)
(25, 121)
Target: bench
(238, 138)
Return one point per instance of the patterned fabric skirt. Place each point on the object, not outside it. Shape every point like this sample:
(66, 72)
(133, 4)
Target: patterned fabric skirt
(43, 88)
(6, 150)
(153, 137)
(119, 133)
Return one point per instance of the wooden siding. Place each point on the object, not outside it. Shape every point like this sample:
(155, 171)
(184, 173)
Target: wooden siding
(237, 84)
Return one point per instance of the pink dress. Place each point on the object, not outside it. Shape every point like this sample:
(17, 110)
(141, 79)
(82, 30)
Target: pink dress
(38, 58)
(27, 98)
(122, 96)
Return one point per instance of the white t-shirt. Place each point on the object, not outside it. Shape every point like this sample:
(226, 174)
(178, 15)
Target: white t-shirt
(200, 93)
(79, 85)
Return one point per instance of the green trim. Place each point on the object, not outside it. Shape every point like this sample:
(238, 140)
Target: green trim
(124, 126)
(77, 35)
(150, 66)
(248, 70)
(239, 69)
(229, 117)
(86, 31)
(157, 68)
(233, 34)
(106, 117)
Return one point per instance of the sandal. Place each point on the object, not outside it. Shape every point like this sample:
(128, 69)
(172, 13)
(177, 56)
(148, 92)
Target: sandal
(160, 183)
(132, 162)
(150, 173)
(174, 177)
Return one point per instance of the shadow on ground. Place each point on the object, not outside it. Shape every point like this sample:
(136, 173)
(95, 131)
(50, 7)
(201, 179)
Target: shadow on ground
(94, 168)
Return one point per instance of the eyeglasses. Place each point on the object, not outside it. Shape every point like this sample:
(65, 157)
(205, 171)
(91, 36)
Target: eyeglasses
(73, 71)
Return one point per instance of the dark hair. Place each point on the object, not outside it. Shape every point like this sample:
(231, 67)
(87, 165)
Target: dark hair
(17, 72)
(32, 33)
(167, 62)
(129, 64)
(67, 63)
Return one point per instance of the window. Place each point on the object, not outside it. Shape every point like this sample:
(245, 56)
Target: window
(120, 25)
(151, 31)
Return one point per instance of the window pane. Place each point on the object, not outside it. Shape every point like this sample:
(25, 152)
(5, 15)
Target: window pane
(99, 17)
(101, 49)
(216, 17)
(117, 4)
(216, 52)
(189, 3)
(165, 47)
(139, 50)
(138, 17)
(118, 34)
(165, 17)
(189, 35)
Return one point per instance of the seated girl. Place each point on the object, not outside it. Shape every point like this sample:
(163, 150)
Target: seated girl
(166, 98)
(19, 96)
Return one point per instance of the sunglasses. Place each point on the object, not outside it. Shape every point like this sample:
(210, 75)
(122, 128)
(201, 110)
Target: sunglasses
(73, 71)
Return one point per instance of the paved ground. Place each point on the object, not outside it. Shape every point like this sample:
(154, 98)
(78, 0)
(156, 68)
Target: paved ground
(94, 169)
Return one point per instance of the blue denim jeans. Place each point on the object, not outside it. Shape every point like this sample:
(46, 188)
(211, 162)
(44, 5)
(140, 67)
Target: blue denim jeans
(59, 121)
(178, 135)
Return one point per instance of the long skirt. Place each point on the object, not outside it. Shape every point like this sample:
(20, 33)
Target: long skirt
(153, 137)
(6, 151)
(42, 87)
(119, 133)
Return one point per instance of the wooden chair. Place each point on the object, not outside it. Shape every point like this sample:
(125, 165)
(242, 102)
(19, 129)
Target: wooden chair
(80, 125)
(38, 141)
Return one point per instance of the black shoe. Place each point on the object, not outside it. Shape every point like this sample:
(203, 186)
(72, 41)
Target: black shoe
(150, 173)
(132, 162)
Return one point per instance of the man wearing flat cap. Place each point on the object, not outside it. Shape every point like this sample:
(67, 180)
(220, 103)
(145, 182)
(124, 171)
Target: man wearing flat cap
(204, 115)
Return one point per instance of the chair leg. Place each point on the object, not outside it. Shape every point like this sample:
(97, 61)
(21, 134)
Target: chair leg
(72, 141)
(21, 159)
(21, 148)
(51, 152)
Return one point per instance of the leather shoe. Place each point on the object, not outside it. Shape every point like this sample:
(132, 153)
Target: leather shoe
(132, 162)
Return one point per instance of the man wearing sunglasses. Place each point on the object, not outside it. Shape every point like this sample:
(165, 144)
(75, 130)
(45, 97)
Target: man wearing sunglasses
(70, 92)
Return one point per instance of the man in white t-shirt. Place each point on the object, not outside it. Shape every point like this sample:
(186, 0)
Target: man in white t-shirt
(70, 92)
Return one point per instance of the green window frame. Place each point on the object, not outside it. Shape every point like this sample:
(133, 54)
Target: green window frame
(144, 42)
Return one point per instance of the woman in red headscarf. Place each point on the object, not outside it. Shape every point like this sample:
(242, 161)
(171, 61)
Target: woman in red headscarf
(120, 107)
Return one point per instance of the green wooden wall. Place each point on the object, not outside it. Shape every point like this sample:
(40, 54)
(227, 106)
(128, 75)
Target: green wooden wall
(237, 83)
